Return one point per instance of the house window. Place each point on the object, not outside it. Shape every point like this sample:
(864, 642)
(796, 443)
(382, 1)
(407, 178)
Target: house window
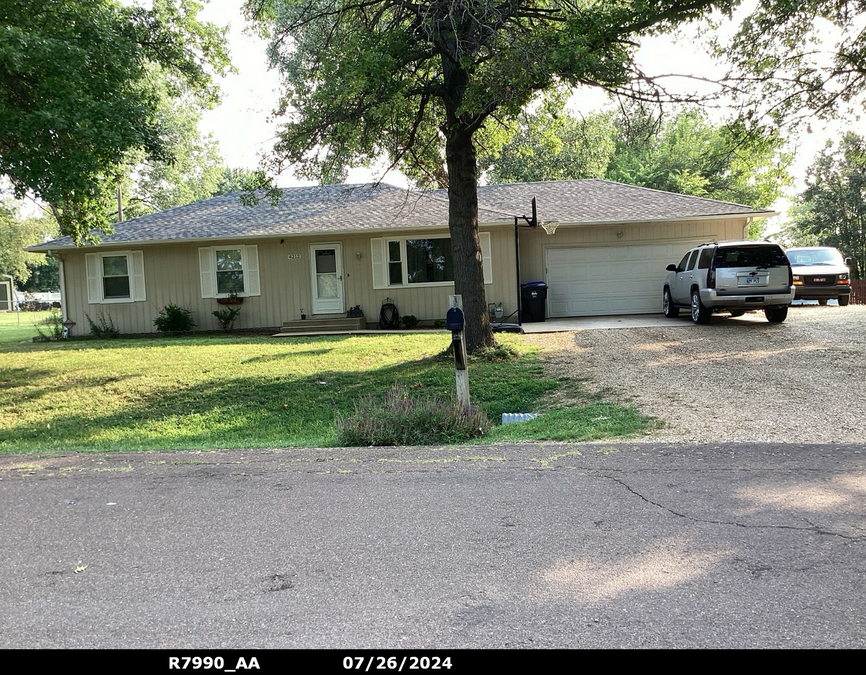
(117, 276)
(395, 263)
(411, 262)
(229, 269)
(428, 261)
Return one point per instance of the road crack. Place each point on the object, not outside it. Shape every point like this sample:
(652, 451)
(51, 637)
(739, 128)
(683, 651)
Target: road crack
(812, 528)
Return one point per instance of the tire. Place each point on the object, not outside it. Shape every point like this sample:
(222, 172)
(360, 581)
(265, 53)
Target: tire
(844, 300)
(776, 314)
(700, 313)
(822, 302)
(737, 312)
(668, 307)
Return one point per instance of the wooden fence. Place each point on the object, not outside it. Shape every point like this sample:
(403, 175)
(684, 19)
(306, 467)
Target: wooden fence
(858, 291)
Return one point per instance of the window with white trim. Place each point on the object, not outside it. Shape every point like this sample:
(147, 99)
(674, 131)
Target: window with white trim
(229, 269)
(116, 276)
(415, 261)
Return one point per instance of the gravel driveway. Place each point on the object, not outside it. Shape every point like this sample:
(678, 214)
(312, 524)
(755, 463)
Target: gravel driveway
(742, 379)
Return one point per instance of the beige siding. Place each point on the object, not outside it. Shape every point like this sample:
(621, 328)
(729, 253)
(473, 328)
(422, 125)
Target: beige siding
(687, 233)
(172, 274)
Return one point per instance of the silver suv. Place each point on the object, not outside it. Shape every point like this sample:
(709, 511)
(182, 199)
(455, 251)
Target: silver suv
(730, 276)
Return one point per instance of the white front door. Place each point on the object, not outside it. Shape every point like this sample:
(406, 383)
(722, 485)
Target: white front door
(326, 266)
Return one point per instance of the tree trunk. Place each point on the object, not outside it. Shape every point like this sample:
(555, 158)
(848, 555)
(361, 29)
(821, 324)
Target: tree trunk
(465, 243)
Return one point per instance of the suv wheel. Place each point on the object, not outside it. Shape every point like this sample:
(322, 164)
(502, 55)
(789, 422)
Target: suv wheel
(700, 313)
(668, 307)
(843, 300)
(776, 314)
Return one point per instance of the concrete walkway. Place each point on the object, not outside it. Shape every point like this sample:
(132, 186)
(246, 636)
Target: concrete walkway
(597, 322)
(547, 326)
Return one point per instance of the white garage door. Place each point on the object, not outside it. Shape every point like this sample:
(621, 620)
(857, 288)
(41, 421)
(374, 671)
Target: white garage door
(595, 281)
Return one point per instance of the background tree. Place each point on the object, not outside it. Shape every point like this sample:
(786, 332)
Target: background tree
(192, 173)
(17, 232)
(553, 144)
(416, 81)
(81, 82)
(682, 153)
(832, 209)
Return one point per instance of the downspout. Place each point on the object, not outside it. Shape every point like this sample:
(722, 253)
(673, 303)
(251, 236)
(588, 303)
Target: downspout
(61, 269)
(529, 223)
(517, 263)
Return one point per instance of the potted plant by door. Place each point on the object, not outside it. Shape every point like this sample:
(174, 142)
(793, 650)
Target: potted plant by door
(231, 299)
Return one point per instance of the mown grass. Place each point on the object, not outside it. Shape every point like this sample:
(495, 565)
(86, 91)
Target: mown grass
(16, 327)
(235, 391)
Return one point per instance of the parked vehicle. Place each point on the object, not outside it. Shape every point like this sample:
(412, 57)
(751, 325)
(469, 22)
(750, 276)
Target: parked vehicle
(820, 273)
(730, 276)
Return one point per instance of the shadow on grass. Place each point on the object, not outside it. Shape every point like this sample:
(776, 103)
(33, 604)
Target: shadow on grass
(261, 411)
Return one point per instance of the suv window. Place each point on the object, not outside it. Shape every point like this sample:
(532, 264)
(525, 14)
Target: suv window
(749, 256)
(706, 257)
(683, 262)
(691, 264)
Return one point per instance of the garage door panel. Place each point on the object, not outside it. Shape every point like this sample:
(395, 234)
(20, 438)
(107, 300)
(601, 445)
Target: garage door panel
(603, 280)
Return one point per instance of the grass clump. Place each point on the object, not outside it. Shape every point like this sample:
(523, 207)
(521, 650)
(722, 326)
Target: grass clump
(403, 419)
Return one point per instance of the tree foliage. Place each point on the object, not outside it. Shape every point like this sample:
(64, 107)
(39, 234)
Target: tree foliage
(194, 172)
(417, 81)
(832, 209)
(684, 153)
(81, 82)
(17, 232)
(551, 143)
(795, 58)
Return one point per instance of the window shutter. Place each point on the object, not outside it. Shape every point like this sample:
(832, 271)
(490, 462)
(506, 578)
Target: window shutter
(377, 255)
(252, 283)
(486, 258)
(94, 291)
(137, 276)
(206, 270)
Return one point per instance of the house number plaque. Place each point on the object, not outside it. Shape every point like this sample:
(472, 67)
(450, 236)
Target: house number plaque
(294, 256)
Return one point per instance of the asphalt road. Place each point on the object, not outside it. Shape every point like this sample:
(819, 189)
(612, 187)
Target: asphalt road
(612, 545)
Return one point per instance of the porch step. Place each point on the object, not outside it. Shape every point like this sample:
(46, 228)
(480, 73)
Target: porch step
(324, 325)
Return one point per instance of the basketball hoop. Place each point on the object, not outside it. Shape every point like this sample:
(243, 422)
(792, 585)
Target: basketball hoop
(550, 226)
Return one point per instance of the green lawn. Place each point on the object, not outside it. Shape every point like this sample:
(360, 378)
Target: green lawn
(233, 391)
(19, 326)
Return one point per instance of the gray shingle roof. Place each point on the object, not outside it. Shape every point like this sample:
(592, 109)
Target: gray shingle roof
(592, 201)
(363, 208)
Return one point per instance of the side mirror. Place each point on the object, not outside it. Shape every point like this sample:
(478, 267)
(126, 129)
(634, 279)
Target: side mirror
(848, 262)
(672, 268)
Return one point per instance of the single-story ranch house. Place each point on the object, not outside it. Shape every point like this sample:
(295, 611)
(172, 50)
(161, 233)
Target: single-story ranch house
(323, 250)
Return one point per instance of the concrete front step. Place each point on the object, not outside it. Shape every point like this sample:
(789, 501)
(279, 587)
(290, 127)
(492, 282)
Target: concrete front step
(324, 325)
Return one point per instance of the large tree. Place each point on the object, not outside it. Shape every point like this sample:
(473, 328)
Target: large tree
(551, 143)
(194, 171)
(832, 209)
(415, 80)
(680, 152)
(80, 86)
